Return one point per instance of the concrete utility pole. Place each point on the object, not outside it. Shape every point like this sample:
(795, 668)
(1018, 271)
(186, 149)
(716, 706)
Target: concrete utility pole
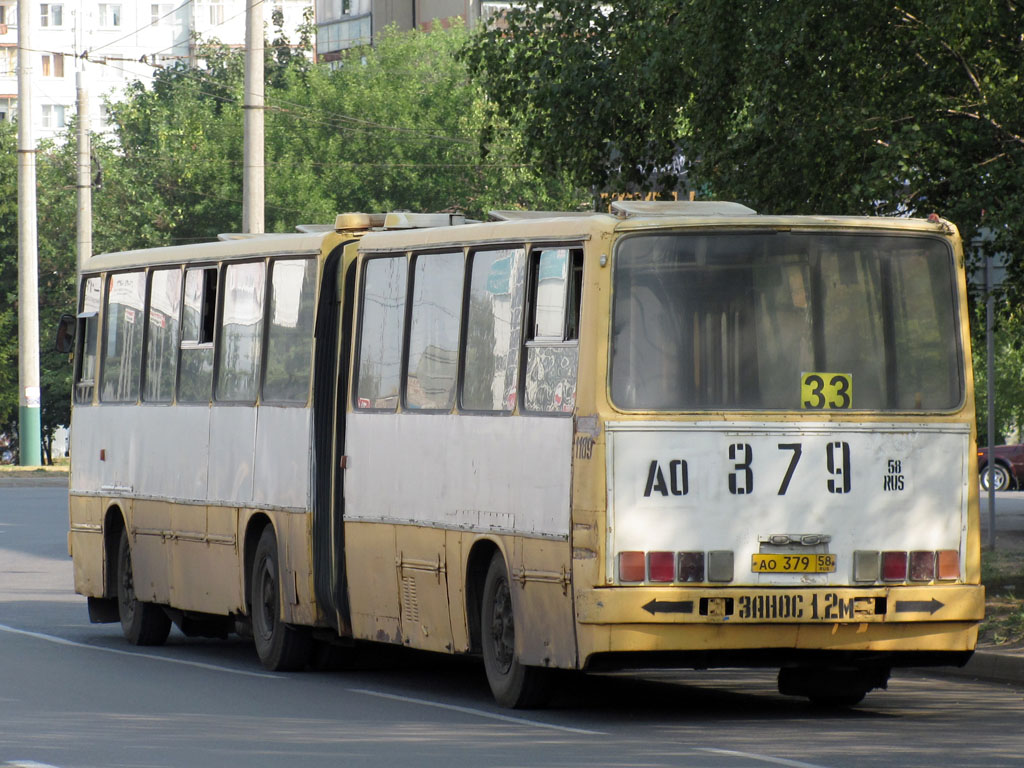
(991, 402)
(252, 176)
(84, 172)
(29, 431)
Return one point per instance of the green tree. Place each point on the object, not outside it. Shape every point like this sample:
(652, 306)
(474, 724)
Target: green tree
(595, 90)
(811, 107)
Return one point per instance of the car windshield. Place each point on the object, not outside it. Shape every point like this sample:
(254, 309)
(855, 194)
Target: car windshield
(785, 320)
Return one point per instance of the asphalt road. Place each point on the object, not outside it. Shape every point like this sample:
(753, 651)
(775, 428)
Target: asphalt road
(74, 694)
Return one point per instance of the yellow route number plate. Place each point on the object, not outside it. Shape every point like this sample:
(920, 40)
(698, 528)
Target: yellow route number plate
(826, 391)
(793, 563)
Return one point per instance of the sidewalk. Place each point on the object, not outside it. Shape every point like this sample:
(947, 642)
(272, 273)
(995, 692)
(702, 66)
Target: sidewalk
(19, 476)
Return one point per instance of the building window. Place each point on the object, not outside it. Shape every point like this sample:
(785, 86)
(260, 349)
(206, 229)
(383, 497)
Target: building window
(159, 12)
(53, 116)
(8, 15)
(51, 15)
(7, 107)
(216, 13)
(53, 65)
(110, 15)
(8, 60)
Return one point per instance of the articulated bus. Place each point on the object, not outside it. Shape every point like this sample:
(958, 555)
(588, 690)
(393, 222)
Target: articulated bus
(671, 435)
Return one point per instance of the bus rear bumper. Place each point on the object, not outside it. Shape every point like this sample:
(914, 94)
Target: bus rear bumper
(894, 626)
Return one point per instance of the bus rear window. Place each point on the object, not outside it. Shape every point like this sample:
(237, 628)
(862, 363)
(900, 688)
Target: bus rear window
(788, 321)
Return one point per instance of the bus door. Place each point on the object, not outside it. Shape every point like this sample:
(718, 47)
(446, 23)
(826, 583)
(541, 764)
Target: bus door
(330, 385)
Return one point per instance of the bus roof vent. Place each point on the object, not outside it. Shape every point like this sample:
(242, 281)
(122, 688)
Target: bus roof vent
(313, 229)
(403, 220)
(239, 235)
(519, 215)
(626, 209)
(349, 222)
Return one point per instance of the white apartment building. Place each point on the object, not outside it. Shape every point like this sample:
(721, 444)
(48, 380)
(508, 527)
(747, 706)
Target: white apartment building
(116, 43)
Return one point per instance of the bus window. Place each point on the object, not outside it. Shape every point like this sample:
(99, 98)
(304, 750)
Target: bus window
(434, 330)
(122, 348)
(551, 348)
(380, 342)
(195, 378)
(162, 343)
(290, 335)
(737, 321)
(241, 337)
(87, 331)
(493, 330)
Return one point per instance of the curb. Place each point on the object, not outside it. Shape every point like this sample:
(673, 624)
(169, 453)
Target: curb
(998, 666)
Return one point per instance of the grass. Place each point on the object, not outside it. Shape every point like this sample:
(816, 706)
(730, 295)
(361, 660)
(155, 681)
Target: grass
(1002, 573)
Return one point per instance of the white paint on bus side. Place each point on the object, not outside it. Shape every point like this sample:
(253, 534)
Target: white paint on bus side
(224, 455)
(476, 473)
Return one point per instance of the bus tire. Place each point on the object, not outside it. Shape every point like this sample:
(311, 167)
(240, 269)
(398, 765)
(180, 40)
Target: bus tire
(513, 684)
(142, 623)
(280, 646)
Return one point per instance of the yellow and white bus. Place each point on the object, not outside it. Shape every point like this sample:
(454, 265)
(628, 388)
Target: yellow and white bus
(675, 434)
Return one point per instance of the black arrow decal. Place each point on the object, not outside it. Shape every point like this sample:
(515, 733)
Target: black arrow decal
(667, 606)
(918, 606)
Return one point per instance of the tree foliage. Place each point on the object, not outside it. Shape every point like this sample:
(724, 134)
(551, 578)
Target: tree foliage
(811, 107)
(594, 89)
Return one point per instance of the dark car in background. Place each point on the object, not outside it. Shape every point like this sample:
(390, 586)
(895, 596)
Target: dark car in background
(1007, 468)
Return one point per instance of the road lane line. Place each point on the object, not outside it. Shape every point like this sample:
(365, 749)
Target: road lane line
(762, 758)
(185, 662)
(27, 764)
(477, 712)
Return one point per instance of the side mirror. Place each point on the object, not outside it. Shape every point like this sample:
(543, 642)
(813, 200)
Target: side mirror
(65, 342)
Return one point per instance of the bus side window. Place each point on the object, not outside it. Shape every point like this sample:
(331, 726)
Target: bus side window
(162, 342)
(88, 326)
(434, 325)
(552, 348)
(290, 335)
(493, 332)
(195, 374)
(380, 340)
(122, 347)
(241, 336)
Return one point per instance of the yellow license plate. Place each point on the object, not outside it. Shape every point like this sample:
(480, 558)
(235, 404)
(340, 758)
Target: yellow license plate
(793, 563)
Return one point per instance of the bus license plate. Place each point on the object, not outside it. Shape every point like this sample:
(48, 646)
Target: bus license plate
(793, 563)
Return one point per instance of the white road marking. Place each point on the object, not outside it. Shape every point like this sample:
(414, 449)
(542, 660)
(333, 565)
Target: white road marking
(762, 758)
(27, 764)
(477, 712)
(169, 659)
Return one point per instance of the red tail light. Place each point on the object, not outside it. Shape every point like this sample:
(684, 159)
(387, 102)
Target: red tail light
(661, 566)
(894, 566)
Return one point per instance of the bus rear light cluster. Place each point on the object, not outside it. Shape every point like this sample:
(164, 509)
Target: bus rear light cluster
(668, 567)
(917, 565)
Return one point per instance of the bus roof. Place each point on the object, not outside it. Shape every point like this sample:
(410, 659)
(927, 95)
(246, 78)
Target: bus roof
(521, 226)
(258, 245)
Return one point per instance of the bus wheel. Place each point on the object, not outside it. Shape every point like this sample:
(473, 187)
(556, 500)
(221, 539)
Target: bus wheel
(280, 646)
(142, 623)
(513, 684)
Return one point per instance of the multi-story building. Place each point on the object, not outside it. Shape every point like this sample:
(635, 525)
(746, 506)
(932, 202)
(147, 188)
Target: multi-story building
(116, 43)
(342, 24)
